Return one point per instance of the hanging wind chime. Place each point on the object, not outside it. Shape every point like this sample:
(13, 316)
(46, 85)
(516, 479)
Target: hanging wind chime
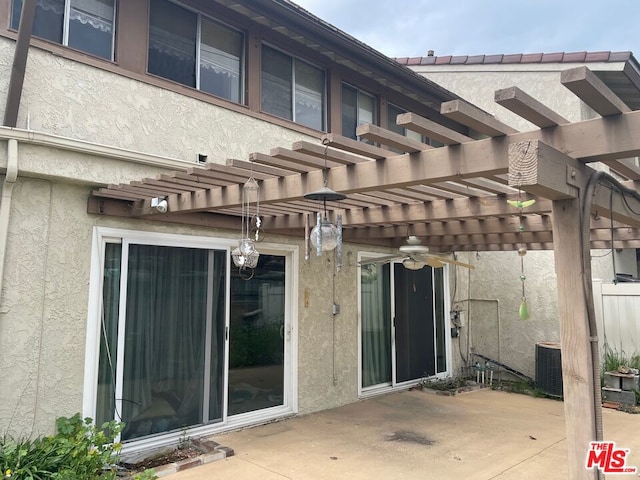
(245, 256)
(523, 311)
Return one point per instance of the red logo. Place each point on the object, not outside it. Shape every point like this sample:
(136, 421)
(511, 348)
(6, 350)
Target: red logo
(608, 458)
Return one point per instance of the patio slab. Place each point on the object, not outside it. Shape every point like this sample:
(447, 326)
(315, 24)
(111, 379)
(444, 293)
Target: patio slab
(480, 435)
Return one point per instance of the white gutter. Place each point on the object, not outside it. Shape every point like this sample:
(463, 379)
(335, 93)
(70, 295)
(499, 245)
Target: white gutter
(5, 204)
(91, 148)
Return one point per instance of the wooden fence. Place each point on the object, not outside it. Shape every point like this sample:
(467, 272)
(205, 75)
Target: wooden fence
(618, 315)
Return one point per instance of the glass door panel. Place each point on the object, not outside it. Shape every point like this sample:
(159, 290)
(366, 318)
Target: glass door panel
(257, 337)
(414, 323)
(375, 300)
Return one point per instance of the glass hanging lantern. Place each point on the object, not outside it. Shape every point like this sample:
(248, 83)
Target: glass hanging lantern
(246, 255)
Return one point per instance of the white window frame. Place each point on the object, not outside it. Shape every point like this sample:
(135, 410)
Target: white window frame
(103, 235)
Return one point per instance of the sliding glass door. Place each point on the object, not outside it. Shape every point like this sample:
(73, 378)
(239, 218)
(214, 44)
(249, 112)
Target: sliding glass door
(187, 341)
(402, 325)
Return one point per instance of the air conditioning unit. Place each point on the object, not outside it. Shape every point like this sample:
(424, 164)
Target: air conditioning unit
(549, 368)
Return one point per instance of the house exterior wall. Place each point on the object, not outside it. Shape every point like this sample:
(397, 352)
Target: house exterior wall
(43, 318)
(43, 309)
(494, 327)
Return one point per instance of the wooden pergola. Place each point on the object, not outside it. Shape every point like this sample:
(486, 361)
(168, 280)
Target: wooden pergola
(454, 197)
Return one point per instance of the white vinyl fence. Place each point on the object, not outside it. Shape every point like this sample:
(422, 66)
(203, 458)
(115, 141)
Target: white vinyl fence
(618, 316)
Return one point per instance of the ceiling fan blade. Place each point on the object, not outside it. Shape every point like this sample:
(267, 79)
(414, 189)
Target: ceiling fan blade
(438, 259)
(380, 260)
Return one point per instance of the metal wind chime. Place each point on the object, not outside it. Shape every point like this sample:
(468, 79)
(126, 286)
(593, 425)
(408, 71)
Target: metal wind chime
(245, 256)
(523, 311)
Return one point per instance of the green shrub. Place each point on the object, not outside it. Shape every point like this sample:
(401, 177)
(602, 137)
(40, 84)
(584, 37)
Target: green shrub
(78, 451)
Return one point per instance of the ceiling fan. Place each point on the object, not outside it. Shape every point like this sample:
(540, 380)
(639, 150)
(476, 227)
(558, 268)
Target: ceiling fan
(415, 256)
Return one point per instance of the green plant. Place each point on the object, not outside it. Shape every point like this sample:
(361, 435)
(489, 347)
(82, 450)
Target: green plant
(78, 450)
(612, 360)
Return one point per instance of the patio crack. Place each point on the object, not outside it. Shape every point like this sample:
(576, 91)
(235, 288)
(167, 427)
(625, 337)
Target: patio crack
(264, 468)
(528, 458)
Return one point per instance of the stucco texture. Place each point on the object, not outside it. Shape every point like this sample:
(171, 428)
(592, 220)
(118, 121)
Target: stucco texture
(78, 101)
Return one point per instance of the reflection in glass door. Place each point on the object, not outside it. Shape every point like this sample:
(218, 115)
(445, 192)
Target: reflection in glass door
(257, 337)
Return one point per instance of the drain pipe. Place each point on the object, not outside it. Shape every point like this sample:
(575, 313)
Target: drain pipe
(498, 321)
(5, 204)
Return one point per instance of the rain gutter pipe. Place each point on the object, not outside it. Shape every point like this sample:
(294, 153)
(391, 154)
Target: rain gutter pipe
(12, 106)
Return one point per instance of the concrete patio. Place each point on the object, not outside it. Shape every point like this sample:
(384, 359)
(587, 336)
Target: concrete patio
(482, 435)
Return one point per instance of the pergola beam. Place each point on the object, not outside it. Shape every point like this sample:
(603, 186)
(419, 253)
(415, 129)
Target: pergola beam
(431, 129)
(528, 107)
(475, 118)
(390, 139)
(540, 169)
(591, 90)
(436, 211)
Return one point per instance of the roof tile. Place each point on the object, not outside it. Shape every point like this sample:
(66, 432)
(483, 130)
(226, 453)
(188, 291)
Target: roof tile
(552, 57)
(459, 59)
(531, 58)
(557, 57)
(475, 59)
(493, 58)
(514, 58)
(597, 56)
(443, 60)
(574, 57)
(619, 56)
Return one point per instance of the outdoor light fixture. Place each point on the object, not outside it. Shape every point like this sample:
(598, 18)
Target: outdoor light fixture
(246, 255)
(325, 236)
(160, 204)
(412, 264)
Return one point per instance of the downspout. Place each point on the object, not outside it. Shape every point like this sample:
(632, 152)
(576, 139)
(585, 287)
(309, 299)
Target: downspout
(5, 204)
(19, 63)
(14, 95)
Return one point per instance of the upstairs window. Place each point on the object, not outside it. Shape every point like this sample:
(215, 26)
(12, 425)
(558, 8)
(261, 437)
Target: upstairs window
(358, 108)
(86, 25)
(195, 51)
(292, 89)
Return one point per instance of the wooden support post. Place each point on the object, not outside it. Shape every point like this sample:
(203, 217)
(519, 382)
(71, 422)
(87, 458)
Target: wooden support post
(575, 341)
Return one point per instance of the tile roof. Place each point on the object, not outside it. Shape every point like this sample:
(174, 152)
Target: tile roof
(558, 57)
